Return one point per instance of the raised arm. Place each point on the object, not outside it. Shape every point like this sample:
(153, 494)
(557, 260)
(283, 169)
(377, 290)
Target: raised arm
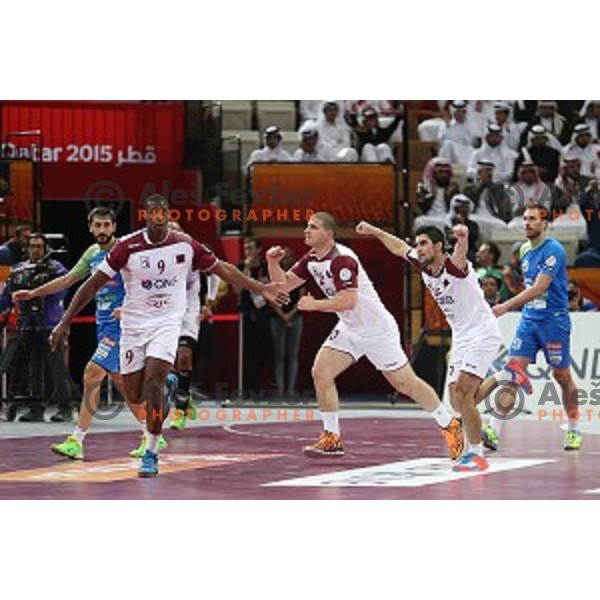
(52, 287)
(232, 275)
(84, 294)
(461, 248)
(391, 242)
(289, 280)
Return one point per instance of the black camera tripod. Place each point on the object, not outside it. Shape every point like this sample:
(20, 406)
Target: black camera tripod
(30, 352)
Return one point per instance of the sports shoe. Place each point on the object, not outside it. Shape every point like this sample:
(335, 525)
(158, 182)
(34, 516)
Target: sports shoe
(149, 466)
(183, 415)
(70, 448)
(141, 449)
(573, 440)
(471, 462)
(490, 436)
(455, 438)
(329, 444)
(519, 377)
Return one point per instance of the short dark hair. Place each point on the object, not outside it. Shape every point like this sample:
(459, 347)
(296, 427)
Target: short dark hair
(21, 228)
(40, 236)
(251, 238)
(155, 199)
(495, 250)
(435, 234)
(101, 212)
(544, 213)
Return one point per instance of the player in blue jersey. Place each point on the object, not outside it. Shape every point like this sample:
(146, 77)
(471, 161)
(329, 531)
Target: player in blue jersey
(545, 323)
(105, 361)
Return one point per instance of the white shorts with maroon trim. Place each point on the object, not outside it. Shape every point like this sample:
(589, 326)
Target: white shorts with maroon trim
(138, 345)
(474, 357)
(384, 351)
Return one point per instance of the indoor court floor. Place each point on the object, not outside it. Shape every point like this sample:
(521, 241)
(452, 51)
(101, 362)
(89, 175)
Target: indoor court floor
(390, 454)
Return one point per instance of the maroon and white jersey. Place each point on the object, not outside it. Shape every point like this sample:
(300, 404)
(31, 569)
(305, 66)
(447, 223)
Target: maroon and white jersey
(341, 270)
(460, 297)
(156, 276)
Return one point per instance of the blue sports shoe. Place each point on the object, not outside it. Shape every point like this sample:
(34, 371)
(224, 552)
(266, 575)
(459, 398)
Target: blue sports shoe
(149, 466)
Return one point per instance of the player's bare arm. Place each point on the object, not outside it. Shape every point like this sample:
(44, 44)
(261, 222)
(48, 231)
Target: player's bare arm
(52, 287)
(343, 300)
(271, 291)
(540, 285)
(289, 280)
(394, 244)
(83, 296)
(461, 248)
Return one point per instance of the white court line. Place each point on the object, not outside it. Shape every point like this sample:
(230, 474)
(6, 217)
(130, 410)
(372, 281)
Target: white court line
(409, 473)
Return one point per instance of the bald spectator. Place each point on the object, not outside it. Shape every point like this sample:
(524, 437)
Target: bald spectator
(541, 154)
(495, 150)
(492, 209)
(583, 148)
(272, 151)
(548, 116)
(334, 132)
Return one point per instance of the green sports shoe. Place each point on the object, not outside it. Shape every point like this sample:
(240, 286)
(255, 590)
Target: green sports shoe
(490, 437)
(183, 415)
(141, 449)
(70, 448)
(573, 440)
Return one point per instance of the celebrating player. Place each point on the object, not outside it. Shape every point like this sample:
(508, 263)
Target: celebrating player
(365, 328)
(156, 264)
(476, 336)
(545, 323)
(109, 298)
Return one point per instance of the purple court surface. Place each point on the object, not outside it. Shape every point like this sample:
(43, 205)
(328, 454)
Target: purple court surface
(386, 458)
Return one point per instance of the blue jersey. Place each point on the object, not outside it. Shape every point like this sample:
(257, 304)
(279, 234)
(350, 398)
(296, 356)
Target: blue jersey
(549, 258)
(111, 295)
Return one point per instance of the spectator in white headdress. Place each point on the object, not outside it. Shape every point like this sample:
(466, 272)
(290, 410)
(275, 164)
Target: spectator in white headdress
(272, 151)
(334, 132)
(312, 149)
(590, 115)
(583, 148)
(495, 150)
(529, 189)
(548, 116)
(458, 138)
(540, 152)
(511, 132)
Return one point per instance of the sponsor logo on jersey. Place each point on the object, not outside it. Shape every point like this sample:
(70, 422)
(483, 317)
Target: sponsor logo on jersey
(550, 261)
(145, 262)
(158, 300)
(159, 284)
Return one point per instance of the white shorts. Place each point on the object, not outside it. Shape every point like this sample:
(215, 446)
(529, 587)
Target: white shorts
(384, 351)
(138, 345)
(474, 357)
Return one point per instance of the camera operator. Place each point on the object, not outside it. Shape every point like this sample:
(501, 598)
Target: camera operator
(28, 357)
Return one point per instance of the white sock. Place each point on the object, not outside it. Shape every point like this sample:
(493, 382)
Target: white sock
(331, 421)
(441, 416)
(152, 442)
(573, 425)
(79, 434)
(503, 376)
(476, 448)
(497, 425)
(143, 427)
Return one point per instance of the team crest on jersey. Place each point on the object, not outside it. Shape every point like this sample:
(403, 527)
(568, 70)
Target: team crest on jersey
(179, 259)
(345, 274)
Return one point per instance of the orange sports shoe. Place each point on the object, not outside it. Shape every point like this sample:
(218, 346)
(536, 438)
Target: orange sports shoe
(329, 444)
(455, 438)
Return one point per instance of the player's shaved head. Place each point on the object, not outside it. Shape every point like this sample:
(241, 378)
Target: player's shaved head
(326, 220)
